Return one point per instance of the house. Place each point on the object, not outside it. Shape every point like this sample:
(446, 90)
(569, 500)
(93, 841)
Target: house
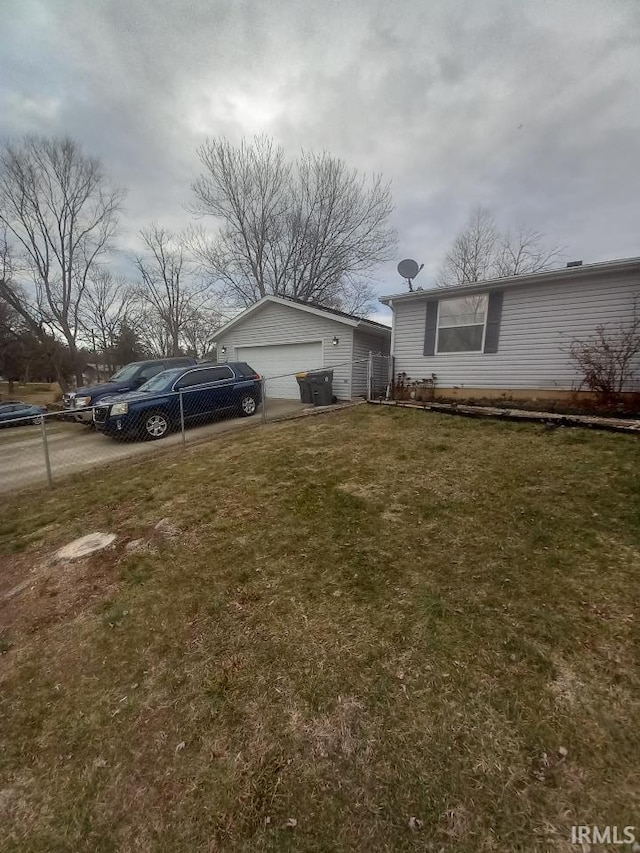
(93, 373)
(280, 336)
(510, 337)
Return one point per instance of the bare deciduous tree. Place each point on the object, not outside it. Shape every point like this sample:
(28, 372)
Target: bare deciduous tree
(198, 332)
(312, 230)
(481, 252)
(471, 256)
(11, 352)
(524, 252)
(109, 302)
(6, 260)
(16, 303)
(608, 360)
(60, 217)
(170, 289)
(13, 293)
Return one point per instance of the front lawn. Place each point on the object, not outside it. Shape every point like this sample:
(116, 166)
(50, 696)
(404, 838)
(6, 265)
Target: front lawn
(375, 630)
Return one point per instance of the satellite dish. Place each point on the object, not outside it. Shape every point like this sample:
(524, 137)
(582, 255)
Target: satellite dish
(408, 268)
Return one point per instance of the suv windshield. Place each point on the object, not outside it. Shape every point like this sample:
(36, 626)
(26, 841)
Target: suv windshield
(125, 373)
(160, 380)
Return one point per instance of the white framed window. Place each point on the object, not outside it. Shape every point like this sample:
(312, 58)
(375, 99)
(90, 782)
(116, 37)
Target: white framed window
(461, 324)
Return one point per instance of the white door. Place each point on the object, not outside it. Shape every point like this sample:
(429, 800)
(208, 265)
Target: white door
(278, 359)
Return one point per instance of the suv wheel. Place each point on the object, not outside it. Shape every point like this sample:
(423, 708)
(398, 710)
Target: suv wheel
(156, 425)
(248, 405)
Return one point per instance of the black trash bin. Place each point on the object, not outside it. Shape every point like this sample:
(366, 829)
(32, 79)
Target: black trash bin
(305, 387)
(321, 384)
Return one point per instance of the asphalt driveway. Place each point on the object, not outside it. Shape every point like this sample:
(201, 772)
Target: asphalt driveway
(74, 448)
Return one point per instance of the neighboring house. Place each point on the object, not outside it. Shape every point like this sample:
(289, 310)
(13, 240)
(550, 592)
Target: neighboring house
(93, 373)
(510, 336)
(279, 336)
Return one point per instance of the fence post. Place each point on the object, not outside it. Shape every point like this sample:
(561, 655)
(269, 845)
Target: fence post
(264, 400)
(370, 375)
(45, 447)
(390, 378)
(184, 440)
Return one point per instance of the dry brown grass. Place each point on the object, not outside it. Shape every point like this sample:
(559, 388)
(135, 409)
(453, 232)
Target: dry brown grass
(390, 643)
(38, 393)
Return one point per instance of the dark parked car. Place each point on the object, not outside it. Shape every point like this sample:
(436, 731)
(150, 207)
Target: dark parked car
(16, 414)
(154, 409)
(77, 403)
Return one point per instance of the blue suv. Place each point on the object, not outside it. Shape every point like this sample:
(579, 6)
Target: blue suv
(155, 408)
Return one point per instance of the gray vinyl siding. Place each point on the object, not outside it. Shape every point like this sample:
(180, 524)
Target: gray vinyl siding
(539, 322)
(281, 324)
(363, 343)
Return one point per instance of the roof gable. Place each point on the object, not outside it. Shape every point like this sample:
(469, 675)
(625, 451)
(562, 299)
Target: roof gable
(326, 313)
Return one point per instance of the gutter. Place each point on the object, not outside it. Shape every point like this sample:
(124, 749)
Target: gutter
(561, 275)
(374, 328)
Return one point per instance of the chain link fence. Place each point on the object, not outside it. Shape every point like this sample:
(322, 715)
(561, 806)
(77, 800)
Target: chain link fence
(203, 402)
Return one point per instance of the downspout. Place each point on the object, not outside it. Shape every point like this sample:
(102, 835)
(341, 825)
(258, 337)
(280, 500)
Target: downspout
(353, 346)
(391, 350)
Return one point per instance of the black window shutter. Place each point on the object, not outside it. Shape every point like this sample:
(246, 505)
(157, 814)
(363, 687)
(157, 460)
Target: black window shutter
(430, 328)
(494, 316)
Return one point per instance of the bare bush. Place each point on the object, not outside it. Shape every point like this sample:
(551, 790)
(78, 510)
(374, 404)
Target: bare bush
(607, 361)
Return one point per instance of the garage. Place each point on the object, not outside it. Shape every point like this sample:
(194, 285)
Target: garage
(280, 336)
(278, 359)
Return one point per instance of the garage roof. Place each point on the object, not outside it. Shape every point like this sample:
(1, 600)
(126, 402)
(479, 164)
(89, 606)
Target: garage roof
(319, 310)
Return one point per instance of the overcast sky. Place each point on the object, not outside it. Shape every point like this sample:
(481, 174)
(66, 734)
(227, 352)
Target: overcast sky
(530, 108)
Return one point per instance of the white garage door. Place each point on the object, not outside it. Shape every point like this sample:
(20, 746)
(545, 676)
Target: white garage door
(282, 358)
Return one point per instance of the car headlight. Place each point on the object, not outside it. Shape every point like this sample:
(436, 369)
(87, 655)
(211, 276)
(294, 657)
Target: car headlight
(119, 409)
(83, 401)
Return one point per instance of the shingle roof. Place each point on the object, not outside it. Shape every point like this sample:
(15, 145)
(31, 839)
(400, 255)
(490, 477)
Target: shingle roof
(334, 311)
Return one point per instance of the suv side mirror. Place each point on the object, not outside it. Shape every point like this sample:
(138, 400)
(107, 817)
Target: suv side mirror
(138, 381)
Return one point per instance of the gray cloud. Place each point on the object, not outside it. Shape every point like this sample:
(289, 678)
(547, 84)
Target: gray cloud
(528, 108)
